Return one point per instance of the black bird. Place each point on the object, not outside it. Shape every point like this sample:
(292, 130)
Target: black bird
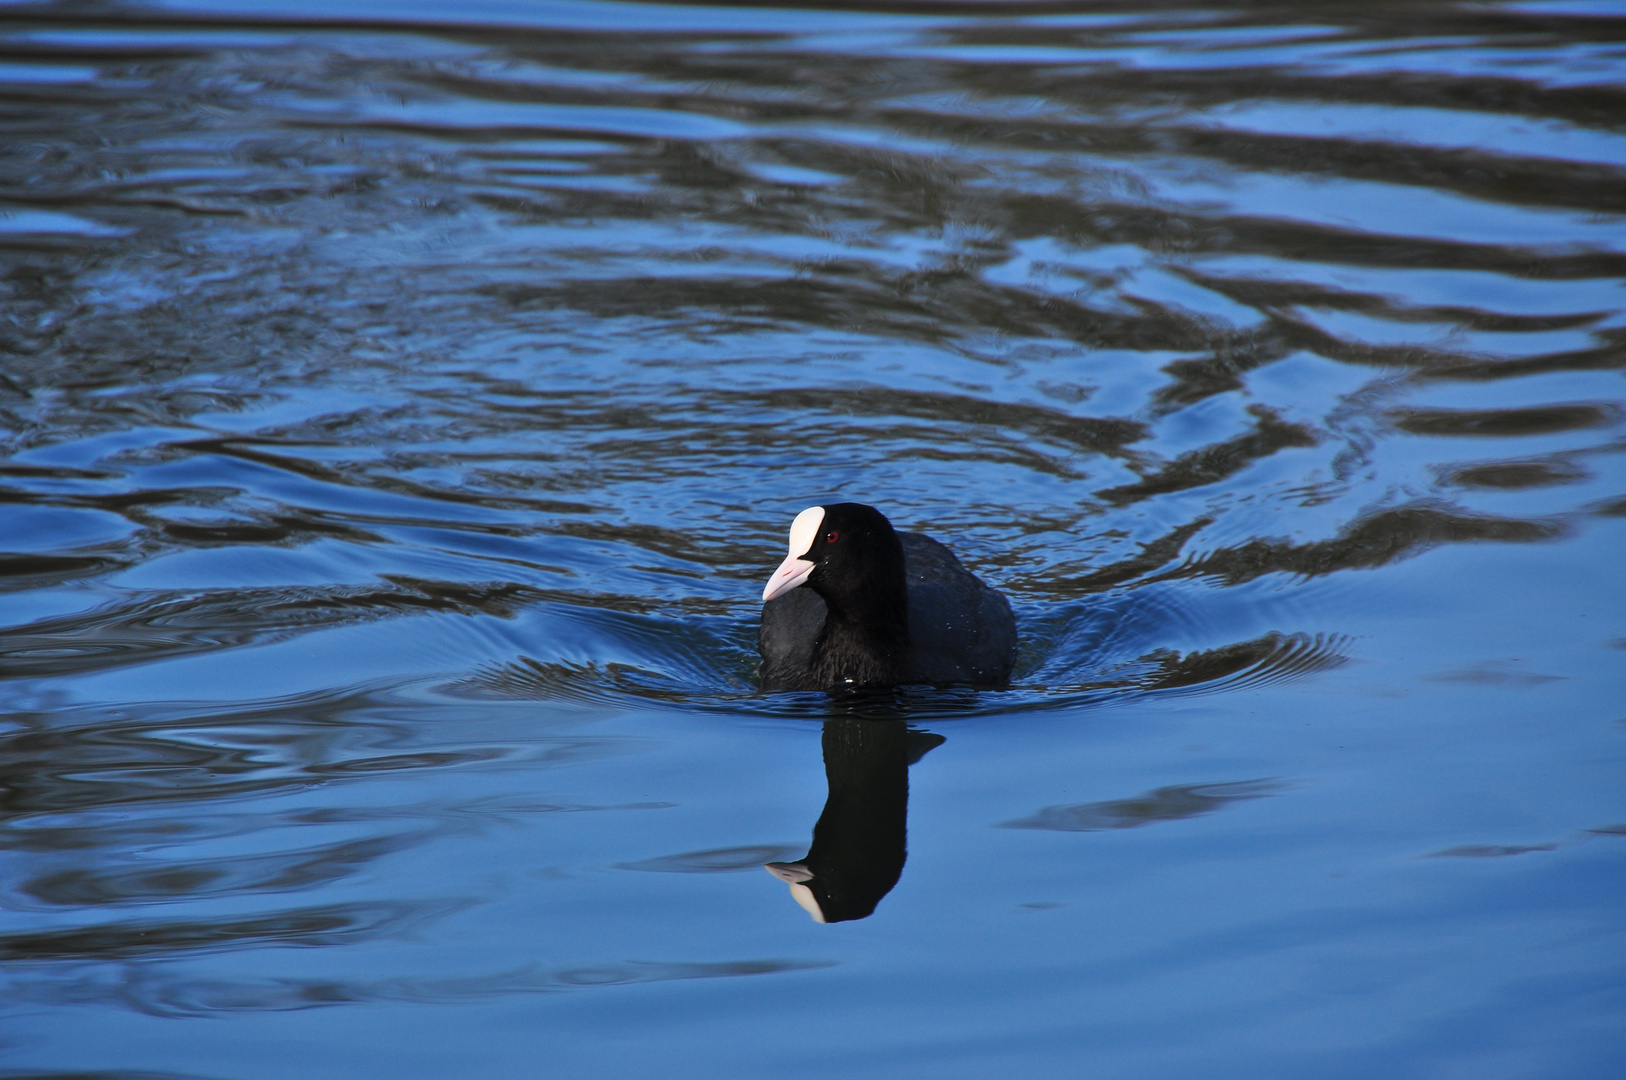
(879, 608)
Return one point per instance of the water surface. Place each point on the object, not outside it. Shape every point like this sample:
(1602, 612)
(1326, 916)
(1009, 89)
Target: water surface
(403, 405)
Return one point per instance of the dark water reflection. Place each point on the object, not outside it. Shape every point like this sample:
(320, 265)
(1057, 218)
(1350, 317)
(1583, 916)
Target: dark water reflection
(861, 839)
(400, 408)
(1164, 804)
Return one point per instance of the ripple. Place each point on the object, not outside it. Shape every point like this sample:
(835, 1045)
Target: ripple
(47, 222)
(156, 756)
(156, 991)
(1516, 475)
(157, 625)
(331, 924)
(714, 860)
(1489, 851)
(191, 879)
(1502, 423)
(1373, 540)
(1162, 804)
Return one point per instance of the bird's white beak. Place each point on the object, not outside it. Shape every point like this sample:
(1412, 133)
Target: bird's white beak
(791, 573)
(795, 569)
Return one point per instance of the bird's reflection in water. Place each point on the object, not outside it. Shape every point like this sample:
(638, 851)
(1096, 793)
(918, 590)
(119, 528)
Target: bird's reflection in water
(859, 842)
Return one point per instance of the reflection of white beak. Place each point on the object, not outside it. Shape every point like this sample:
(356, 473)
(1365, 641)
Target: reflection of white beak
(795, 569)
(793, 874)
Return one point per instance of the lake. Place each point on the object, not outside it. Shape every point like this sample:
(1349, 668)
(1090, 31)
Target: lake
(402, 406)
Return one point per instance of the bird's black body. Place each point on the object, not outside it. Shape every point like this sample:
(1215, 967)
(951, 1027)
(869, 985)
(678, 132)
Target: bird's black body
(881, 608)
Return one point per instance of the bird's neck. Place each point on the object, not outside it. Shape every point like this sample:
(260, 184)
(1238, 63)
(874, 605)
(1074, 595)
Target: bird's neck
(863, 647)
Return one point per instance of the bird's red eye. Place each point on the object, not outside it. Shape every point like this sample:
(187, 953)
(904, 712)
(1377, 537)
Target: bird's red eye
(830, 538)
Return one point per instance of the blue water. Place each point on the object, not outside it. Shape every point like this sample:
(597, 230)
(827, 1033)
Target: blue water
(402, 406)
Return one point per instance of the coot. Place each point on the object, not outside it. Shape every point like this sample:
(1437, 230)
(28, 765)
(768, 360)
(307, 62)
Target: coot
(878, 608)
